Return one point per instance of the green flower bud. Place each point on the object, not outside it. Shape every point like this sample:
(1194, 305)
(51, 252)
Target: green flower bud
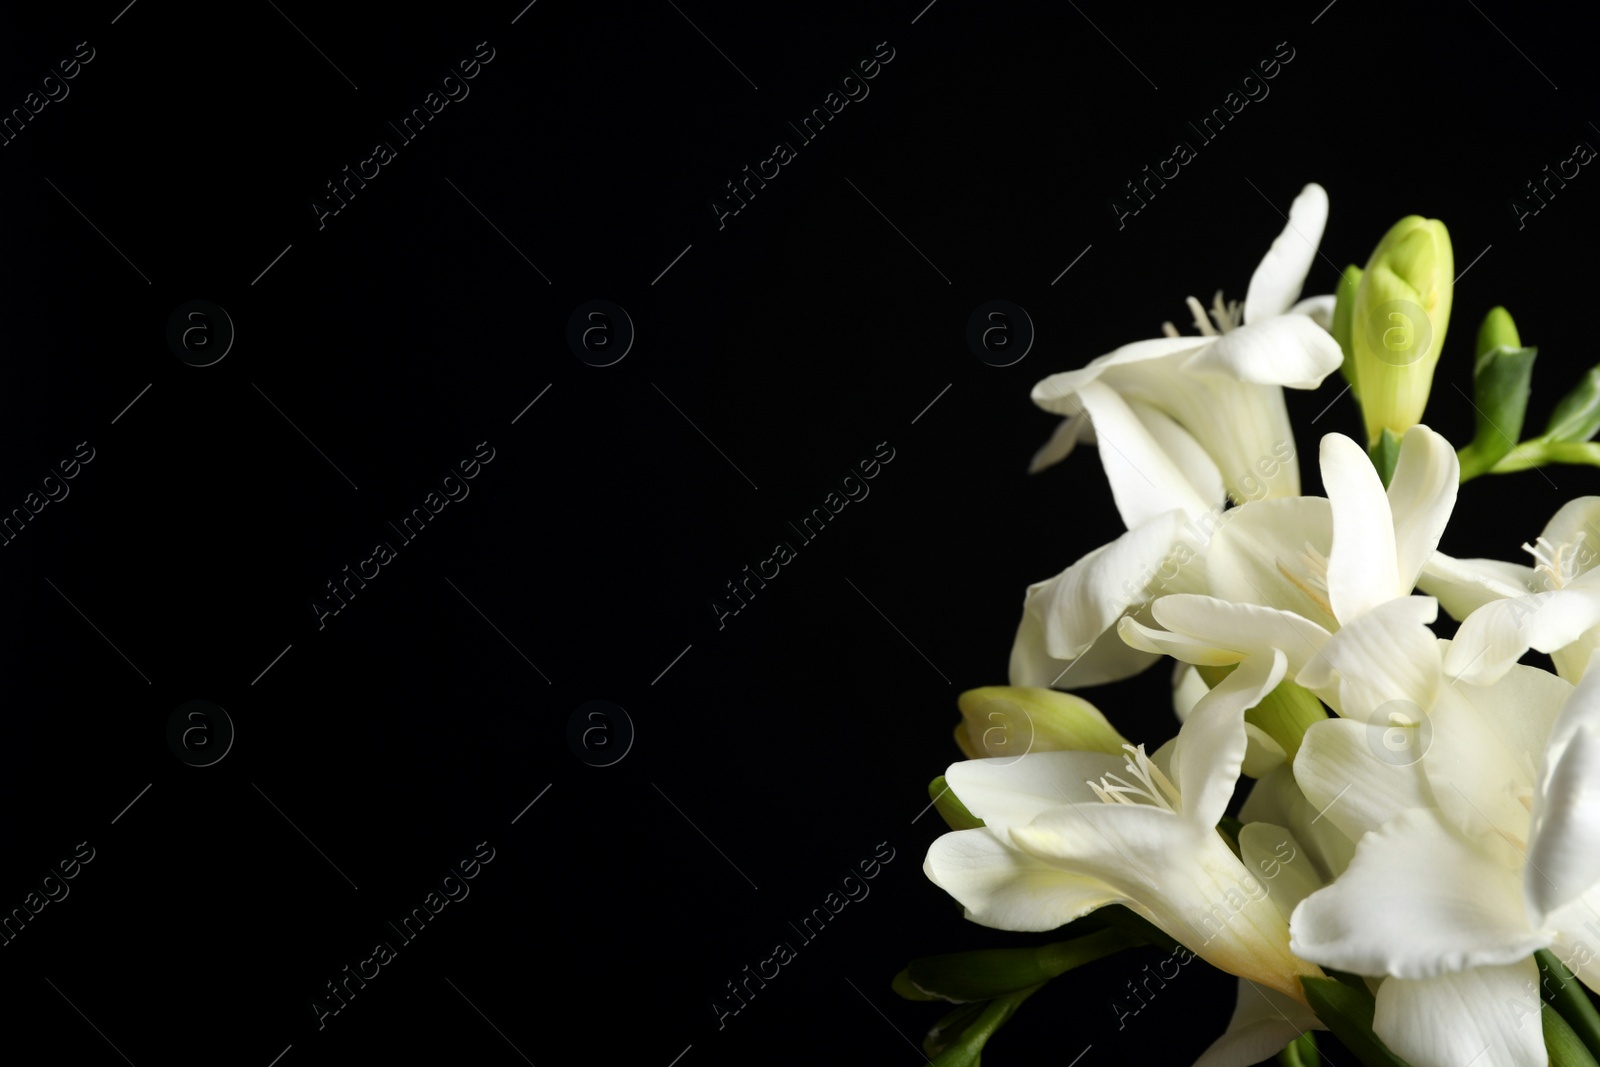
(1402, 309)
(1344, 310)
(1004, 720)
(1502, 378)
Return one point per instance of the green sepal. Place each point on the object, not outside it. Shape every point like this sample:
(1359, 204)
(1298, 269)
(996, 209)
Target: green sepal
(950, 1047)
(1577, 415)
(1301, 1052)
(964, 977)
(950, 808)
(1501, 382)
(1564, 1047)
(1344, 309)
(1385, 453)
(1285, 714)
(1569, 998)
(1347, 1011)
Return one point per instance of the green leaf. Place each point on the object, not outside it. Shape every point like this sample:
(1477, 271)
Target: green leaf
(1564, 1047)
(1501, 381)
(950, 1048)
(1344, 308)
(1347, 1011)
(1569, 998)
(1385, 452)
(963, 977)
(950, 808)
(1301, 1052)
(1577, 415)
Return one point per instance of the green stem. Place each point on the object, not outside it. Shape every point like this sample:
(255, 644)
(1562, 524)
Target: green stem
(1570, 999)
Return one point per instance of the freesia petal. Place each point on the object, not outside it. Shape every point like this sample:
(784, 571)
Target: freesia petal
(1487, 1015)
(1357, 777)
(1013, 790)
(1182, 877)
(1246, 628)
(1282, 272)
(1107, 659)
(1061, 443)
(1145, 481)
(1464, 585)
(1383, 661)
(1211, 744)
(1278, 800)
(1187, 689)
(1196, 465)
(1421, 494)
(1319, 309)
(1056, 393)
(1009, 890)
(1263, 1022)
(1262, 755)
(1361, 564)
(1257, 555)
(1564, 854)
(1498, 634)
(1181, 647)
(1417, 901)
(1283, 864)
(1288, 350)
(1578, 518)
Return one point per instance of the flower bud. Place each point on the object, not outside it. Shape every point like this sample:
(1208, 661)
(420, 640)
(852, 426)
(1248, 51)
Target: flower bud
(1011, 721)
(1402, 308)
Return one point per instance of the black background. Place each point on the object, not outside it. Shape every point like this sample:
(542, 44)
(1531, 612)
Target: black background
(793, 741)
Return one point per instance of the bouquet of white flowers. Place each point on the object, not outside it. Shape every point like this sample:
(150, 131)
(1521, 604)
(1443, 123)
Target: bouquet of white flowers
(1416, 867)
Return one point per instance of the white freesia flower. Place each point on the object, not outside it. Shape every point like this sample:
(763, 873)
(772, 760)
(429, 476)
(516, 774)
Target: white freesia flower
(1449, 901)
(1068, 832)
(1349, 563)
(1507, 608)
(1181, 423)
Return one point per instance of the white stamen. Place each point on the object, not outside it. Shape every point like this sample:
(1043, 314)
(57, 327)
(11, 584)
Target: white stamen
(1201, 323)
(1149, 785)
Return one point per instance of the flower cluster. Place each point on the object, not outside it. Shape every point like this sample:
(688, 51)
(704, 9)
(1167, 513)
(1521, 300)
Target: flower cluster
(1416, 866)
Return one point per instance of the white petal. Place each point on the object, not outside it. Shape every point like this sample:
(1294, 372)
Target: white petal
(1182, 877)
(1278, 279)
(1564, 854)
(1564, 847)
(1243, 628)
(1360, 775)
(1065, 438)
(1281, 862)
(1211, 744)
(1256, 555)
(1288, 350)
(1278, 800)
(1498, 634)
(1383, 661)
(1579, 517)
(1009, 890)
(1187, 689)
(1422, 494)
(1319, 309)
(1108, 659)
(1485, 1016)
(1181, 647)
(1262, 755)
(1263, 1022)
(1146, 481)
(1462, 586)
(1012, 791)
(1196, 465)
(1361, 565)
(1056, 393)
(1076, 606)
(1417, 901)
